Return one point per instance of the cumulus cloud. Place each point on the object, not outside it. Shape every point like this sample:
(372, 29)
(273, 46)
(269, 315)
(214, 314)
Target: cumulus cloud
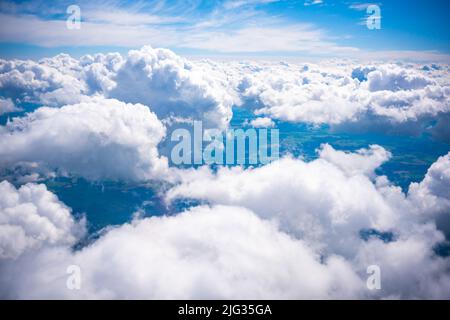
(7, 106)
(432, 194)
(49, 81)
(32, 217)
(363, 161)
(289, 229)
(299, 93)
(379, 96)
(317, 201)
(98, 139)
(320, 201)
(394, 78)
(171, 85)
(99, 70)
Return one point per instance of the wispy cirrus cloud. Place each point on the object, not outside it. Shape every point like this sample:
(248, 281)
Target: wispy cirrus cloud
(312, 2)
(235, 27)
(222, 28)
(233, 4)
(362, 6)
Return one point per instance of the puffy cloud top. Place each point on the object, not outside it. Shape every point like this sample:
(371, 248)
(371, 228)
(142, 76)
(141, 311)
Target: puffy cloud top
(50, 81)
(289, 229)
(32, 217)
(98, 139)
(242, 247)
(219, 252)
(433, 192)
(364, 161)
(387, 97)
(172, 86)
(393, 78)
(316, 201)
(337, 93)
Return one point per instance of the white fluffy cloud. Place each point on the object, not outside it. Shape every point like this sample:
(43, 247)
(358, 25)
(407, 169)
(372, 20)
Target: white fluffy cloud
(317, 201)
(172, 86)
(394, 78)
(97, 139)
(32, 217)
(387, 97)
(328, 203)
(262, 122)
(99, 70)
(290, 229)
(432, 194)
(218, 252)
(49, 81)
(363, 161)
(245, 249)
(302, 93)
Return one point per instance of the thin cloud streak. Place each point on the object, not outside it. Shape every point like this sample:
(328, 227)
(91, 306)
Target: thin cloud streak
(229, 28)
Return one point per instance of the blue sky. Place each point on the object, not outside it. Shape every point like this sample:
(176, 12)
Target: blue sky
(313, 28)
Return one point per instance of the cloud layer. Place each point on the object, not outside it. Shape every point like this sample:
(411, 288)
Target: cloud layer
(307, 244)
(393, 98)
(386, 97)
(289, 229)
(32, 217)
(331, 202)
(173, 87)
(218, 252)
